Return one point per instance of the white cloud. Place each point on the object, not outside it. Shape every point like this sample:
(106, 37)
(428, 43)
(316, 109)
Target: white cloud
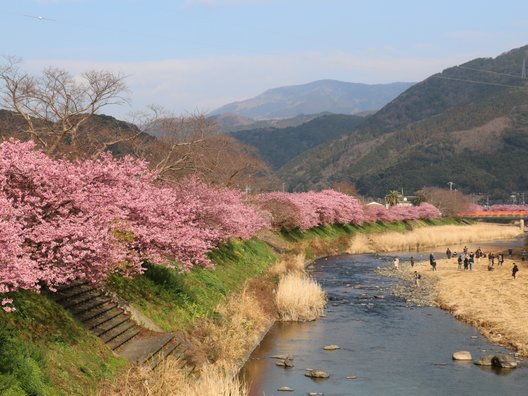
(202, 84)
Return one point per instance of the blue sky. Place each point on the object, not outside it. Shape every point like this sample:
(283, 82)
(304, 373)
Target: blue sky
(195, 55)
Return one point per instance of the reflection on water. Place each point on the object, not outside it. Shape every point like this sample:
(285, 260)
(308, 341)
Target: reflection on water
(387, 347)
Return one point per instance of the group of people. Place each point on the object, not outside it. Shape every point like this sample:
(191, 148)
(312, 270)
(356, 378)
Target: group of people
(467, 259)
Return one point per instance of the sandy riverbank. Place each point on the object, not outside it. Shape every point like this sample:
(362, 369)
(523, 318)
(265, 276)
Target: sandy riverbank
(491, 301)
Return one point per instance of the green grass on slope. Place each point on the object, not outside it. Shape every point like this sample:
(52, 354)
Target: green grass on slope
(173, 300)
(44, 351)
(335, 231)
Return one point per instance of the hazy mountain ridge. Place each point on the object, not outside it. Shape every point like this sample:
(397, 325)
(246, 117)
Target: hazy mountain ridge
(316, 97)
(229, 122)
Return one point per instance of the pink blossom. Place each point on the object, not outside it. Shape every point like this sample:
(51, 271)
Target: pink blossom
(310, 209)
(64, 220)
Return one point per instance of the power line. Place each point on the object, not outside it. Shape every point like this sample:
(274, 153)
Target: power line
(488, 71)
(479, 82)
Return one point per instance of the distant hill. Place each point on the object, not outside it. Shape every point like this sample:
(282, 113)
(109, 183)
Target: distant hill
(316, 97)
(229, 122)
(277, 146)
(99, 128)
(467, 124)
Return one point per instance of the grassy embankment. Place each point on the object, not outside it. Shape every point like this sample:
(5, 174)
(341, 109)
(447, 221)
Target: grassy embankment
(44, 351)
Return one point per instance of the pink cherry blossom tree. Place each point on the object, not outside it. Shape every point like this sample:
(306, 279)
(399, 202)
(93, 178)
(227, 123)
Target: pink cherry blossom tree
(64, 220)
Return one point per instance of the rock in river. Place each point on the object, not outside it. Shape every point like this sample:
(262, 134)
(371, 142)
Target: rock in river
(284, 363)
(462, 355)
(285, 389)
(503, 361)
(283, 357)
(484, 360)
(317, 374)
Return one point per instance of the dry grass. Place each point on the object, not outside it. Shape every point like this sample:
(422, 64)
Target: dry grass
(299, 298)
(492, 301)
(426, 237)
(243, 319)
(289, 263)
(169, 379)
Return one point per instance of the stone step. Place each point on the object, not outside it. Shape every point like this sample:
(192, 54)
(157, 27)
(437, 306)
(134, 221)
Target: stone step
(109, 325)
(64, 296)
(73, 285)
(124, 338)
(81, 298)
(146, 347)
(117, 331)
(88, 306)
(107, 320)
(107, 315)
(172, 348)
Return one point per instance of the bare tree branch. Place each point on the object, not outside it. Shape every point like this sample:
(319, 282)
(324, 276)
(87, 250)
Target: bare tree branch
(56, 104)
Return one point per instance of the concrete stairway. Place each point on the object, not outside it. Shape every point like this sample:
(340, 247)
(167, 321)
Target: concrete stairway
(111, 323)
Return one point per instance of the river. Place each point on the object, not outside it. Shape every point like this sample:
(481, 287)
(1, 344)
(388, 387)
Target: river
(387, 347)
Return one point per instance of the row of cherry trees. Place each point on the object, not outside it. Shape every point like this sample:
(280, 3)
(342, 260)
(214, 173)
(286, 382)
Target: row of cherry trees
(311, 209)
(63, 220)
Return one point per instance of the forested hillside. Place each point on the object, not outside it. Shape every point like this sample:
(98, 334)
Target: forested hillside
(467, 125)
(277, 146)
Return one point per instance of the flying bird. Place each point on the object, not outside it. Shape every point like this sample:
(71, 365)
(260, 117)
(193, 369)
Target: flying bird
(39, 17)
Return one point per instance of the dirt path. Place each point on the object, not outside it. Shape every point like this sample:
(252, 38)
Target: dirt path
(492, 301)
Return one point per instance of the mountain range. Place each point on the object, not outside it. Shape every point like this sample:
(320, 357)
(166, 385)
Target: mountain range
(316, 97)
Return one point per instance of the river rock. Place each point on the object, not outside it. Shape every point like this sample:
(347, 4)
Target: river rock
(503, 361)
(284, 363)
(462, 355)
(285, 389)
(282, 357)
(484, 360)
(332, 347)
(317, 374)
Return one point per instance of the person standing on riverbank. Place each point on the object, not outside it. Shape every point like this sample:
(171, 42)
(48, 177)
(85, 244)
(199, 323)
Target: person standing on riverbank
(412, 261)
(515, 269)
(396, 263)
(417, 278)
(432, 260)
(448, 254)
(460, 261)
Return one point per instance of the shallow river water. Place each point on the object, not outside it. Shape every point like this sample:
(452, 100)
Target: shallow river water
(390, 347)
